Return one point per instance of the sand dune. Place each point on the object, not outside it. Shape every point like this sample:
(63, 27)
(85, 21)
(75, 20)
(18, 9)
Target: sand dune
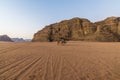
(49, 61)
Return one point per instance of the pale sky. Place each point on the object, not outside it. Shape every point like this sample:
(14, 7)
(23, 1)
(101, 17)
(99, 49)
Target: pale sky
(23, 18)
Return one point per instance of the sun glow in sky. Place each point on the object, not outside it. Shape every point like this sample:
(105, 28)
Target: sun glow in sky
(23, 18)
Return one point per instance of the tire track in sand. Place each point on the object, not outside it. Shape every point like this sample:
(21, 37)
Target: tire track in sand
(25, 72)
(9, 49)
(45, 68)
(35, 72)
(17, 68)
(19, 75)
(108, 68)
(60, 68)
(14, 64)
(49, 75)
(68, 64)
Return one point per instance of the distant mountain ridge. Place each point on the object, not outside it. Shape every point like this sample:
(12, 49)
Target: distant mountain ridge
(5, 38)
(107, 30)
(20, 40)
(8, 39)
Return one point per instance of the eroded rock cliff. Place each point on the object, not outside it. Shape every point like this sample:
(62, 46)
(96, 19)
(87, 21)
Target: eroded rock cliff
(81, 29)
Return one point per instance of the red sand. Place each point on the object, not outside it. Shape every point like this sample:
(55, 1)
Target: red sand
(49, 61)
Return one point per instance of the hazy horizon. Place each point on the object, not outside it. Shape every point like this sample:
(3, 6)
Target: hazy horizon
(23, 18)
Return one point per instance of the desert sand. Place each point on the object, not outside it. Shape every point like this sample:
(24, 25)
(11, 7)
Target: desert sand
(49, 61)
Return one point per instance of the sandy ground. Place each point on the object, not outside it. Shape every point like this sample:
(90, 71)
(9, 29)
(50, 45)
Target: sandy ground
(48, 61)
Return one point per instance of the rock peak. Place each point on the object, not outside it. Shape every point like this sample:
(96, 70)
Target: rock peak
(5, 38)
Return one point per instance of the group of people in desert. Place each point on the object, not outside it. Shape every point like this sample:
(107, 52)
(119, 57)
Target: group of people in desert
(61, 41)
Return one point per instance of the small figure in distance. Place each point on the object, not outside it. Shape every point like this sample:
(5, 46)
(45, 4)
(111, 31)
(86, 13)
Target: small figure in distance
(61, 41)
(58, 41)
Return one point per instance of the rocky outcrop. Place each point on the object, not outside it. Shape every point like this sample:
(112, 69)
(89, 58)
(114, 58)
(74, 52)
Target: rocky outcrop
(5, 38)
(108, 29)
(81, 29)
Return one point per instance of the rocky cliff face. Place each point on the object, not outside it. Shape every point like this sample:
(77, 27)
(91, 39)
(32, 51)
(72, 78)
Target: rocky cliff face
(5, 38)
(108, 29)
(81, 29)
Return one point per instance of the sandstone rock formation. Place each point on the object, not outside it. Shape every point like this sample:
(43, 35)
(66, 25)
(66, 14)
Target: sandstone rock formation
(81, 29)
(108, 29)
(5, 38)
